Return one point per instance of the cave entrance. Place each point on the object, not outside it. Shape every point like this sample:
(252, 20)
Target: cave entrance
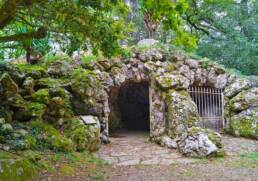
(129, 106)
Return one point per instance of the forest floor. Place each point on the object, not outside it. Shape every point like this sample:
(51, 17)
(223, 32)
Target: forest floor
(130, 157)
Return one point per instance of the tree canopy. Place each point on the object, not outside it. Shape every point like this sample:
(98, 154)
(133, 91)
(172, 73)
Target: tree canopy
(225, 31)
(98, 23)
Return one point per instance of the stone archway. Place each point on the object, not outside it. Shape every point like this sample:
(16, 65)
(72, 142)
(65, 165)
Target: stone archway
(173, 115)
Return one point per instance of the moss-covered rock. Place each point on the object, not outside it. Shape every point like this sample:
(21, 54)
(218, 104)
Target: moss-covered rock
(169, 81)
(182, 113)
(198, 142)
(87, 91)
(59, 69)
(245, 123)
(85, 137)
(47, 137)
(237, 86)
(244, 100)
(8, 86)
(6, 114)
(55, 111)
(28, 85)
(6, 129)
(41, 96)
(35, 110)
(34, 71)
(47, 82)
(2, 121)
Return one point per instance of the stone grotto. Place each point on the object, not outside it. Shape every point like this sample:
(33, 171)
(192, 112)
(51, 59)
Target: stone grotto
(148, 91)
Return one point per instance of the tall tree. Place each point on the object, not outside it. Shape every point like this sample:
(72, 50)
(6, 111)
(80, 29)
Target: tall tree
(227, 31)
(100, 23)
(165, 15)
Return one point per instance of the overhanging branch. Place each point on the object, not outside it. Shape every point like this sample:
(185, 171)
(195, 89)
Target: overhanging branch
(40, 33)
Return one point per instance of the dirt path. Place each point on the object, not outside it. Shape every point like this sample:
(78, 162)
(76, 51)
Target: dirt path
(133, 158)
(135, 149)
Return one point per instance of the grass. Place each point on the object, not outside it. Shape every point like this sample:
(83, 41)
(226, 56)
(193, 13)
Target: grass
(89, 58)
(71, 164)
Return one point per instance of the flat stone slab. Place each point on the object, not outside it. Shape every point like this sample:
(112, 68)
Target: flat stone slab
(89, 119)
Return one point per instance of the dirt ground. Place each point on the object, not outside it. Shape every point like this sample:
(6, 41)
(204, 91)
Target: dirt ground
(131, 157)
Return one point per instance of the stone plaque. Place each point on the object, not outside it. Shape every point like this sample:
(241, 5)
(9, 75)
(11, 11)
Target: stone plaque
(89, 119)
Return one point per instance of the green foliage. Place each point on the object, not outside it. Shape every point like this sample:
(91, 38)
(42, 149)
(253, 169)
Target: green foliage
(48, 83)
(234, 46)
(169, 14)
(89, 58)
(29, 68)
(74, 25)
(85, 137)
(16, 168)
(35, 110)
(41, 96)
(47, 137)
(50, 58)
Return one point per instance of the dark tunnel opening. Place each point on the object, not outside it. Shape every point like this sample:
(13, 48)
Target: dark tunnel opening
(133, 105)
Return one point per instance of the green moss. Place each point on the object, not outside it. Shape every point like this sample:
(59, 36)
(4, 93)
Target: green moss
(50, 58)
(35, 110)
(85, 137)
(34, 71)
(41, 96)
(66, 169)
(47, 137)
(205, 63)
(47, 83)
(30, 142)
(16, 168)
(88, 58)
(61, 92)
(29, 67)
(243, 127)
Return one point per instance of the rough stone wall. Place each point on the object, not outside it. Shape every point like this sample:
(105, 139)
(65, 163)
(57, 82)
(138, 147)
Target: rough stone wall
(89, 88)
(173, 112)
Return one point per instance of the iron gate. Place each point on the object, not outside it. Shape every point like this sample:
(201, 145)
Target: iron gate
(210, 104)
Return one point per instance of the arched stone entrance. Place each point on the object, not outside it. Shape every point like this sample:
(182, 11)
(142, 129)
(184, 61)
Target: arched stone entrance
(173, 115)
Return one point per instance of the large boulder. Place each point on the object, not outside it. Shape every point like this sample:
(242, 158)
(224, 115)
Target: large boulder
(169, 81)
(85, 133)
(182, 113)
(237, 86)
(150, 55)
(245, 123)
(8, 87)
(59, 68)
(193, 64)
(245, 99)
(28, 85)
(221, 81)
(147, 42)
(198, 143)
(118, 75)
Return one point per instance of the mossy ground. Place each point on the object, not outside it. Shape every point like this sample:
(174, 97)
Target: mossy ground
(73, 166)
(35, 166)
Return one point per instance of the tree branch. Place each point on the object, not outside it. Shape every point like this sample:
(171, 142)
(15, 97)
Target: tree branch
(40, 33)
(7, 12)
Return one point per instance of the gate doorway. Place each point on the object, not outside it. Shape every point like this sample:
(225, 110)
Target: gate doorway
(210, 104)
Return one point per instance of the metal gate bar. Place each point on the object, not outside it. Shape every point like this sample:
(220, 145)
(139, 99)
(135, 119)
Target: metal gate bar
(210, 105)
